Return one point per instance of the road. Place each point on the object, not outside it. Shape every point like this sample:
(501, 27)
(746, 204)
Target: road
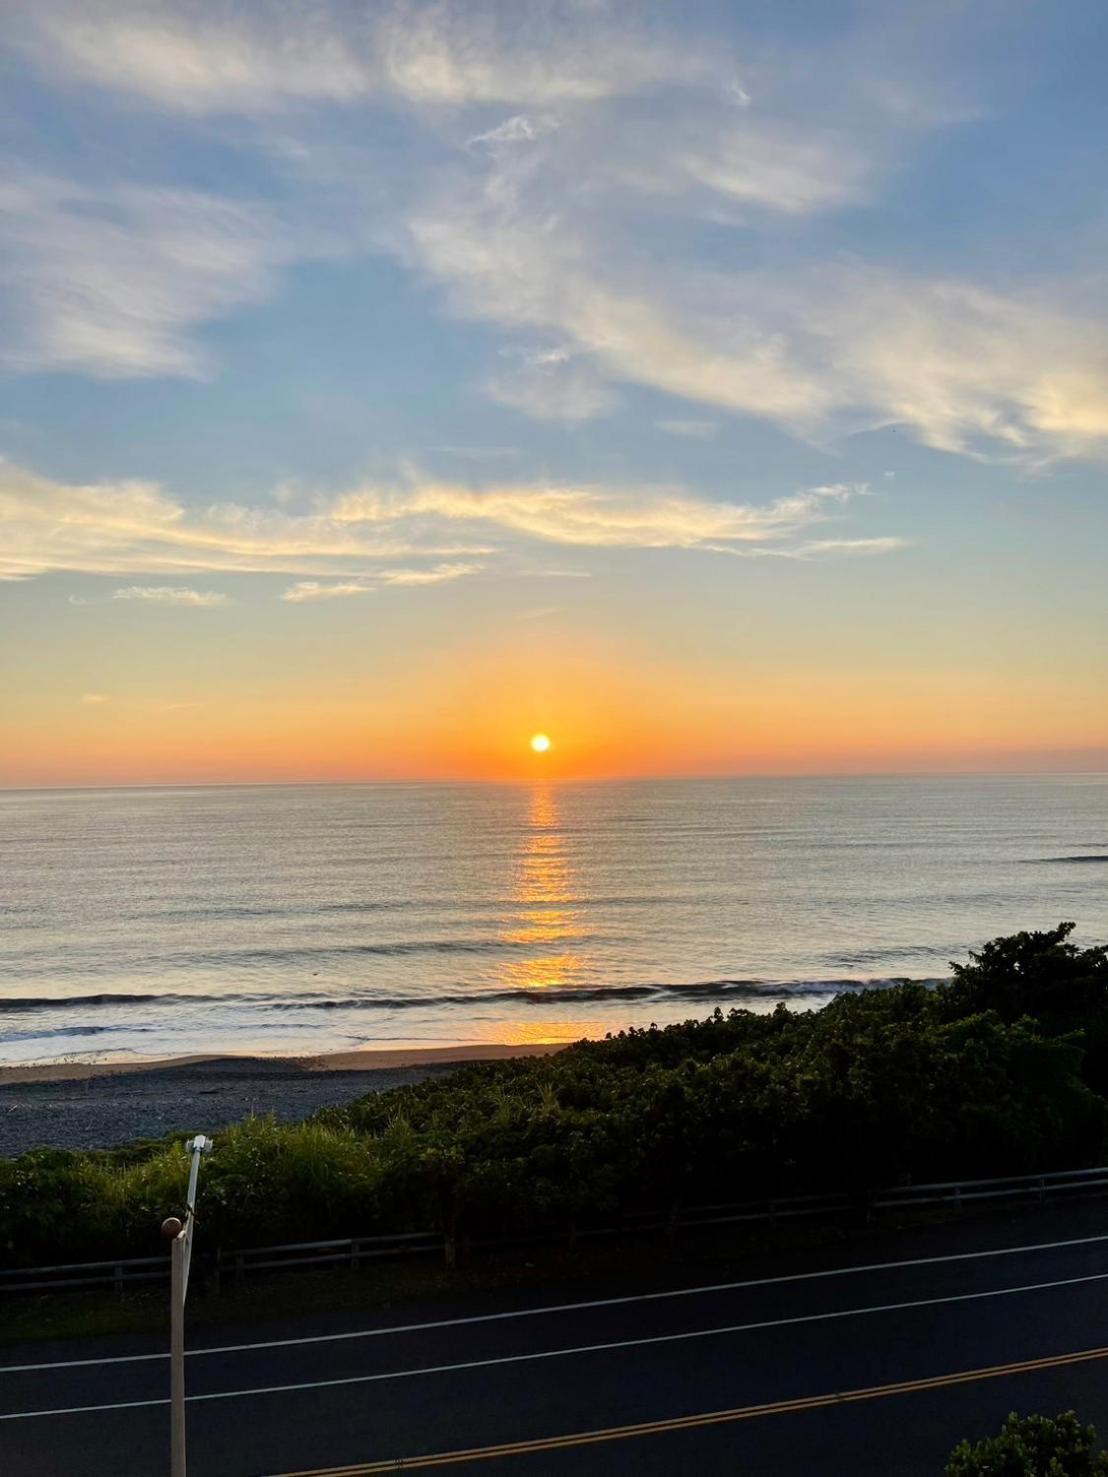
(876, 1364)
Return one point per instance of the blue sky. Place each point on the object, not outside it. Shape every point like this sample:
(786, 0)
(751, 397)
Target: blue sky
(408, 321)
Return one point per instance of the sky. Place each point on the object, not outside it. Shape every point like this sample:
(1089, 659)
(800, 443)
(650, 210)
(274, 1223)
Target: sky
(718, 388)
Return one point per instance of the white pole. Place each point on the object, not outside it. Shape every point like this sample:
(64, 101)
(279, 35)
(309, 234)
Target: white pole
(181, 1259)
(177, 1356)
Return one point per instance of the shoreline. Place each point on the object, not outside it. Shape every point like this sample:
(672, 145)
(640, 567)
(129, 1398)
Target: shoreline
(103, 1105)
(361, 1059)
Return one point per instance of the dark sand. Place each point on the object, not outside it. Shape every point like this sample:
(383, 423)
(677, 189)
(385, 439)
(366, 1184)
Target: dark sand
(82, 1105)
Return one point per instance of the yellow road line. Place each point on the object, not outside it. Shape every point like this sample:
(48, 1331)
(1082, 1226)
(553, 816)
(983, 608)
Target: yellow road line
(712, 1418)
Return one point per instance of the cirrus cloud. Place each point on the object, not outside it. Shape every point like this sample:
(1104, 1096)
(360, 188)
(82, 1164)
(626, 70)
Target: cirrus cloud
(112, 279)
(172, 595)
(191, 57)
(558, 170)
(442, 531)
(306, 591)
(438, 574)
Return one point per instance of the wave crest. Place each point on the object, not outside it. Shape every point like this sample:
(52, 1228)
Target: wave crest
(709, 990)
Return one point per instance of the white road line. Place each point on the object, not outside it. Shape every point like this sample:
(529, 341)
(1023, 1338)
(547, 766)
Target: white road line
(640, 1297)
(660, 1338)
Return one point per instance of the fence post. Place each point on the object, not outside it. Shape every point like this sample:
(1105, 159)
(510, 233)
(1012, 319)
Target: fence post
(673, 1220)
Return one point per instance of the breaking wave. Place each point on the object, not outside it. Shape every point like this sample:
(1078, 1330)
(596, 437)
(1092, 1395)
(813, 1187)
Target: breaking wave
(711, 990)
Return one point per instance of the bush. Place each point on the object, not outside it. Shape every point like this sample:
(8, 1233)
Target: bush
(1037, 974)
(1032, 1446)
(1044, 976)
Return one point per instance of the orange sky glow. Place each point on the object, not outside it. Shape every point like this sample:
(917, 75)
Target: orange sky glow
(602, 725)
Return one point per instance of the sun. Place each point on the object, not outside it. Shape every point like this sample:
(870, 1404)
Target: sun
(540, 743)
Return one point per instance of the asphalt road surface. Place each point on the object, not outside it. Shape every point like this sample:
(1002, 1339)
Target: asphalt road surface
(874, 1365)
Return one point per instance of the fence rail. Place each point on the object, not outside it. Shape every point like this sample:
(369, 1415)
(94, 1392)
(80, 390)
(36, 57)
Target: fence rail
(86, 1274)
(351, 1250)
(359, 1250)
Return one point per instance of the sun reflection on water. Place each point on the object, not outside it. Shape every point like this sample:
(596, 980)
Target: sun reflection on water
(546, 919)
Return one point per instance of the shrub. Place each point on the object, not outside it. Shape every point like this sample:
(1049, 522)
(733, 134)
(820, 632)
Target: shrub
(1032, 1446)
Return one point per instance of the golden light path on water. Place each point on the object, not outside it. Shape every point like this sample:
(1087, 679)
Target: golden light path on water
(545, 923)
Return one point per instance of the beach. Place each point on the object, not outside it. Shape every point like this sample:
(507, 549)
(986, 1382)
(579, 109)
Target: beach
(99, 1105)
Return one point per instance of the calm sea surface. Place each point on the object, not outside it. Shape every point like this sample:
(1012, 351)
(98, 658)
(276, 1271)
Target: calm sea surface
(150, 922)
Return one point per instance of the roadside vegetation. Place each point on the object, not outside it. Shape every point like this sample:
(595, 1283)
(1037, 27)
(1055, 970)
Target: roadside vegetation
(1003, 1070)
(1033, 1446)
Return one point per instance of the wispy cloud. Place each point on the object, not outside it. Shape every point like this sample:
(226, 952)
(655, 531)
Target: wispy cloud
(969, 369)
(540, 54)
(540, 190)
(138, 528)
(112, 280)
(519, 128)
(828, 546)
(553, 387)
(305, 591)
(441, 531)
(775, 168)
(602, 517)
(95, 698)
(197, 59)
(819, 349)
(172, 595)
(268, 56)
(506, 259)
(438, 575)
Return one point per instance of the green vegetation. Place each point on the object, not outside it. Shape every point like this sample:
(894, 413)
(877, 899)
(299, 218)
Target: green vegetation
(1032, 1446)
(1000, 1071)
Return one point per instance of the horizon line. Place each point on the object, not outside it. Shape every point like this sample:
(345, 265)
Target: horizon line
(521, 780)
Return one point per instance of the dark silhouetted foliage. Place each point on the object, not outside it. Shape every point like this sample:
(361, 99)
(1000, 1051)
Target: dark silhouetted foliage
(1044, 976)
(1032, 1446)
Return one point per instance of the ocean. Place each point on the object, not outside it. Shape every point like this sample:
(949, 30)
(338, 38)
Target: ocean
(140, 923)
